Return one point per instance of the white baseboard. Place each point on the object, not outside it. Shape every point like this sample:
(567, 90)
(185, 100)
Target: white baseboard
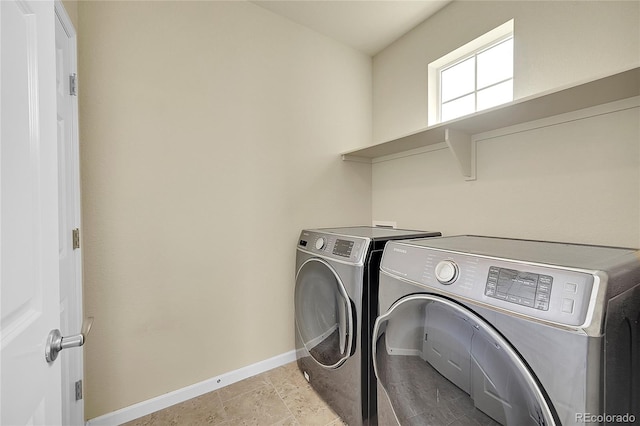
(404, 352)
(143, 408)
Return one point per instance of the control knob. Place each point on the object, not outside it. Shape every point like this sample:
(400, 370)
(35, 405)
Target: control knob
(446, 271)
(320, 242)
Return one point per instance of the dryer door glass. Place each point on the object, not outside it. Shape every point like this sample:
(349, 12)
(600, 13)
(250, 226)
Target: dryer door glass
(324, 316)
(439, 363)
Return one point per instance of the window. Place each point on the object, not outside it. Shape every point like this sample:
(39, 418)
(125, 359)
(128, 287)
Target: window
(474, 77)
(479, 82)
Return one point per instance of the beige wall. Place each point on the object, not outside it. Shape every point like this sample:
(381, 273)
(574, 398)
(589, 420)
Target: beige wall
(210, 134)
(574, 181)
(556, 43)
(209, 138)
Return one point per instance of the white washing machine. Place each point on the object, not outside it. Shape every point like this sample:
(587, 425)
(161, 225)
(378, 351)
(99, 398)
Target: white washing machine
(335, 305)
(481, 330)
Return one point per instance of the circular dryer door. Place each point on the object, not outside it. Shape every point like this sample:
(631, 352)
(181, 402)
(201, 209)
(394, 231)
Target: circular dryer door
(323, 313)
(439, 363)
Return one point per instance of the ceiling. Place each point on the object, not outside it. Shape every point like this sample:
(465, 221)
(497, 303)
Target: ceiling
(366, 25)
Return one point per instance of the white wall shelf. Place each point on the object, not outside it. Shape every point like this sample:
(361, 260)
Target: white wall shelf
(457, 133)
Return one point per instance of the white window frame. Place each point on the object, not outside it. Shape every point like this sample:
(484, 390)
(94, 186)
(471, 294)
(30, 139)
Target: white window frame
(480, 44)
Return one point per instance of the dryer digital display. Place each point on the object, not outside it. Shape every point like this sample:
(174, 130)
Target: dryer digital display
(343, 248)
(523, 288)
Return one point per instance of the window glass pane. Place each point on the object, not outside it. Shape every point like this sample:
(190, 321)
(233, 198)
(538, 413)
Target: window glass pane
(458, 108)
(458, 80)
(495, 95)
(495, 64)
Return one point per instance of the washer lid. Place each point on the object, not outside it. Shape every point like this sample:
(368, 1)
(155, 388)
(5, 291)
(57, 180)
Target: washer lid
(374, 233)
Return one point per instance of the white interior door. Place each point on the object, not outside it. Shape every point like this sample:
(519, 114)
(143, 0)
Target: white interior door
(29, 261)
(69, 217)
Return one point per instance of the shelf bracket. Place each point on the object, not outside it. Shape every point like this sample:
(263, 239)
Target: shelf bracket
(464, 151)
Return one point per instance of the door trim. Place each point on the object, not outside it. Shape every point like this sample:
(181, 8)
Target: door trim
(75, 371)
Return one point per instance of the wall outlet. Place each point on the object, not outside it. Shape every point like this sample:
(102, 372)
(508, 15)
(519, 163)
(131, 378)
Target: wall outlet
(385, 224)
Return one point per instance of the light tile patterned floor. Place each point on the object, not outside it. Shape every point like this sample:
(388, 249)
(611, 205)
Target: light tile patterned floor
(278, 397)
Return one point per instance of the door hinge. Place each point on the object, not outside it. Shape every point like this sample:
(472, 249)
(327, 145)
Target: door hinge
(78, 390)
(73, 84)
(76, 238)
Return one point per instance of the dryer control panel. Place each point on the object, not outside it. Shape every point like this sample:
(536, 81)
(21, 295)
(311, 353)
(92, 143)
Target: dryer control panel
(343, 248)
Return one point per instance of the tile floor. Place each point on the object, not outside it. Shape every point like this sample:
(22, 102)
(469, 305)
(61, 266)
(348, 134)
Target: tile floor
(277, 397)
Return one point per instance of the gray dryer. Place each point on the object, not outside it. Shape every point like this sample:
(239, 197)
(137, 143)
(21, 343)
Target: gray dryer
(335, 305)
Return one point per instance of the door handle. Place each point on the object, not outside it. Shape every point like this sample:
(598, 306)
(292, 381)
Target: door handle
(56, 343)
(342, 326)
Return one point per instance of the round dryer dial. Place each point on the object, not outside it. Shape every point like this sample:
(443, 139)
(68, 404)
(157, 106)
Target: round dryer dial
(446, 271)
(320, 242)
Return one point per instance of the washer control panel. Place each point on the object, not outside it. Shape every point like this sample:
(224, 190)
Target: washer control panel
(345, 248)
(523, 288)
(547, 292)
